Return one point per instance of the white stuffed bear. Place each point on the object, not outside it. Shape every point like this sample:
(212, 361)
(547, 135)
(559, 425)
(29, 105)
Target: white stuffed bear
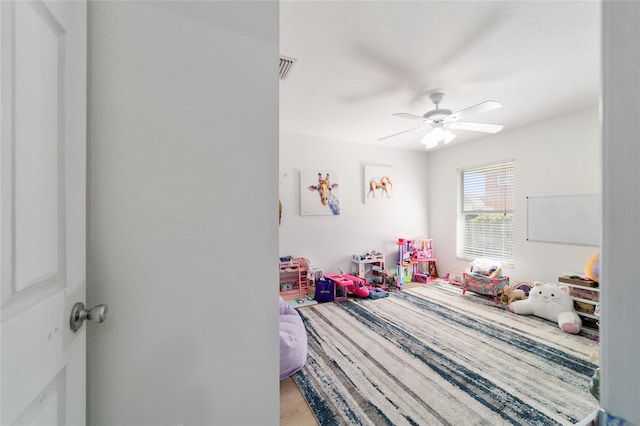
(552, 303)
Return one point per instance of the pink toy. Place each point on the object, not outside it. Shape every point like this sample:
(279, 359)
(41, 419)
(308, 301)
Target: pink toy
(341, 282)
(353, 284)
(373, 287)
(421, 278)
(359, 287)
(404, 251)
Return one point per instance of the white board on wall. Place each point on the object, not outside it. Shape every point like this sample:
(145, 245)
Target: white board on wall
(565, 219)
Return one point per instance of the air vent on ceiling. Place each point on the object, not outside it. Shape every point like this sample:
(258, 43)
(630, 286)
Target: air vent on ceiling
(285, 66)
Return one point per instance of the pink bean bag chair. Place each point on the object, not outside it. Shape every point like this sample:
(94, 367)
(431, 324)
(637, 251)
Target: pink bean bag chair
(293, 341)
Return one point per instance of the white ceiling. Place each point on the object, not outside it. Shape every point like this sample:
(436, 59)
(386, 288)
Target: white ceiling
(360, 61)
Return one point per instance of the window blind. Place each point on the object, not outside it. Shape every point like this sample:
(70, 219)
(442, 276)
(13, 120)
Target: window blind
(485, 212)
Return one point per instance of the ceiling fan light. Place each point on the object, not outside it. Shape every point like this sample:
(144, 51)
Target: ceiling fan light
(430, 144)
(431, 139)
(434, 137)
(438, 134)
(448, 136)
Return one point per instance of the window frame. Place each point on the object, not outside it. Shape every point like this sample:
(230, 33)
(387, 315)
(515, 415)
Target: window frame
(504, 186)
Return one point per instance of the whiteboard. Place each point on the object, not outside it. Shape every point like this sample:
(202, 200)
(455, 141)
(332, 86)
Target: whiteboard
(566, 219)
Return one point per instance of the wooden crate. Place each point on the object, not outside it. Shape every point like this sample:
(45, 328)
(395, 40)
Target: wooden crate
(584, 293)
(577, 281)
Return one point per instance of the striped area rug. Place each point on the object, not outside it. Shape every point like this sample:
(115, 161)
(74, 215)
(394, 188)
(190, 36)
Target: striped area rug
(431, 356)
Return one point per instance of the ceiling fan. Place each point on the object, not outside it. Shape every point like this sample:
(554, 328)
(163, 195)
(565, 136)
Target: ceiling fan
(440, 121)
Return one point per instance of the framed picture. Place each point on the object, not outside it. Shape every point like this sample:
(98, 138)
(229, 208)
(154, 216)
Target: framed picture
(319, 193)
(378, 184)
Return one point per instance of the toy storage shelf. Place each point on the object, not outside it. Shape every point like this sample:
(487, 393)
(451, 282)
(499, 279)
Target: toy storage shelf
(584, 294)
(415, 260)
(369, 267)
(425, 267)
(294, 282)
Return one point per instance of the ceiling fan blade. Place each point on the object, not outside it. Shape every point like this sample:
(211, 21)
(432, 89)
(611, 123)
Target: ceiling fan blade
(481, 107)
(478, 127)
(403, 132)
(411, 117)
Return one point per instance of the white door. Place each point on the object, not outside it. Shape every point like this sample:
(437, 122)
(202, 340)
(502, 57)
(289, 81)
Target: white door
(43, 125)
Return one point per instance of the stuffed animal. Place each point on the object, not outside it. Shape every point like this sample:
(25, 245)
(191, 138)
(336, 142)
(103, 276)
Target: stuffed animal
(509, 294)
(552, 303)
(592, 268)
(503, 296)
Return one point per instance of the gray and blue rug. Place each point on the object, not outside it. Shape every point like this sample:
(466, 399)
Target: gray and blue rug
(431, 356)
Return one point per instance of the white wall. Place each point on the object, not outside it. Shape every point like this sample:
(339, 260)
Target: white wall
(555, 157)
(620, 384)
(329, 241)
(182, 226)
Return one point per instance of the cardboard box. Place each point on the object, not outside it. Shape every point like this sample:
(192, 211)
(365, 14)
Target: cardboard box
(577, 281)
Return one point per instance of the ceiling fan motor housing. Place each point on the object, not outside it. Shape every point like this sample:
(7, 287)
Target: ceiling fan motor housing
(436, 98)
(437, 115)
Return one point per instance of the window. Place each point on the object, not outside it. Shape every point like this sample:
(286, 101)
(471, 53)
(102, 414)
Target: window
(485, 212)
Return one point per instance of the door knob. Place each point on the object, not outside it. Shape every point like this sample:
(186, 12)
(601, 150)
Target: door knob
(79, 314)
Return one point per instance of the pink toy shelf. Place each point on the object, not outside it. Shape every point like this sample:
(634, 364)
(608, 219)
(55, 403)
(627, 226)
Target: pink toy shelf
(415, 254)
(294, 283)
